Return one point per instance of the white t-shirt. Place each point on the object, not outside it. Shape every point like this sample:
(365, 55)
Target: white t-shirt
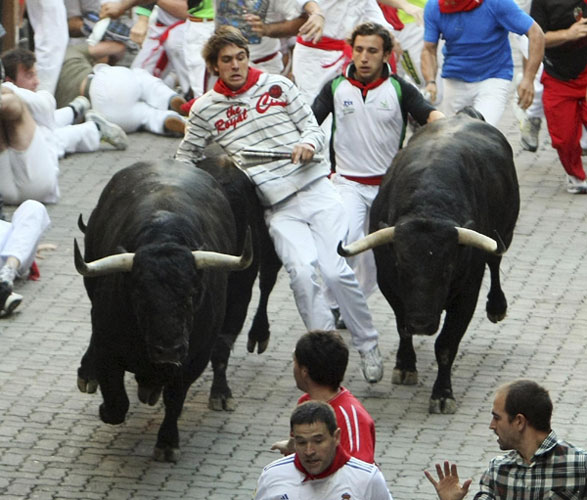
(356, 480)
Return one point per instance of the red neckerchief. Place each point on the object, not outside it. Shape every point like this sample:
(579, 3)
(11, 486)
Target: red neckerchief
(452, 6)
(340, 458)
(363, 87)
(252, 78)
(390, 14)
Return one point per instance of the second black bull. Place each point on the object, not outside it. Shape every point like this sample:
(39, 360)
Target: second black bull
(446, 208)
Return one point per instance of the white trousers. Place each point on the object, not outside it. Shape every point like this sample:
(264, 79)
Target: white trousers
(49, 21)
(305, 230)
(82, 138)
(131, 98)
(20, 237)
(273, 65)
(196, 36)
(312, 68)
(152, 50)
(30, 174)
(357, 200)
(489, 97)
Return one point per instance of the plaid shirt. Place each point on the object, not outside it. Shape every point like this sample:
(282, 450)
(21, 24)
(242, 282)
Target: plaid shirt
(558, 471)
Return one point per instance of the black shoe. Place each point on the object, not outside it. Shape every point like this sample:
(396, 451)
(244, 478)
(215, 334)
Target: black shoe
(338, 321)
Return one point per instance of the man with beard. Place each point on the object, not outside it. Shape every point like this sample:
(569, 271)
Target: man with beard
(539, 465)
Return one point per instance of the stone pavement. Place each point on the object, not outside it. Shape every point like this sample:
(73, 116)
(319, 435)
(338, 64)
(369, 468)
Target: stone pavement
(53, 445)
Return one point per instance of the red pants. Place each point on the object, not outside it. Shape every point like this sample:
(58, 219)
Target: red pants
(566, 112)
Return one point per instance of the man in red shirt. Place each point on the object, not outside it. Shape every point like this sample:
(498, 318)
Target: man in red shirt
(564, 23)
(320, 361)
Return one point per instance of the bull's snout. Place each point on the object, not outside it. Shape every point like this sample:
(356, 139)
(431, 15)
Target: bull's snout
(422, 325)
(168, 354)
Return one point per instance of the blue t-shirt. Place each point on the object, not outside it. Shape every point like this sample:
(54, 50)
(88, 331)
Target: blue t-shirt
(477, 45)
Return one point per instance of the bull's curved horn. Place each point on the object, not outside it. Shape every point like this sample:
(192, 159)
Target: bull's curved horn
(80, 224)
(378, 238)
(216, 260)
(117, 263)
(474, 239)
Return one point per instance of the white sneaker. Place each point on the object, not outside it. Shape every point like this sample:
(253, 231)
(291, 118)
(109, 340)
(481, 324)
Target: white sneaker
(372, 365)
(529, 130)
(12, 302)
(80, 106)
(575, 185)
(109, 132)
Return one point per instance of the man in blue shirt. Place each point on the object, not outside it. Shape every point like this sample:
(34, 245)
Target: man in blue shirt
(478, 66)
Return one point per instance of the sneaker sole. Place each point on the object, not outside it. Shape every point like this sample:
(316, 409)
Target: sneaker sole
(8, 310)
(527, 146)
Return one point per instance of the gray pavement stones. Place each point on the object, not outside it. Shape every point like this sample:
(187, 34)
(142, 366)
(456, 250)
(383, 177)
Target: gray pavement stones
(53, 445)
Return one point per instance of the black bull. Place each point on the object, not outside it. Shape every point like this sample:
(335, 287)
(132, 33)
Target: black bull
(159, 247)
(446, 207)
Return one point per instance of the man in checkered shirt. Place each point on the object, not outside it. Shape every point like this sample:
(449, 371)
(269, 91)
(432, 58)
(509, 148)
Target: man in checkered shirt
(539, 465)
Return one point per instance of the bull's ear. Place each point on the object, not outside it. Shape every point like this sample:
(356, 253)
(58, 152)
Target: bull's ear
(80, 223)
(382, 225)
(501, 248)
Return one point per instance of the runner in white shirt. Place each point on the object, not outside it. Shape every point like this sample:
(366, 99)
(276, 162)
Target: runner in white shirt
(320, 468)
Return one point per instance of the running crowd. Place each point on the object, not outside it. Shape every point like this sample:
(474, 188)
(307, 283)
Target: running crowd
(335, 84)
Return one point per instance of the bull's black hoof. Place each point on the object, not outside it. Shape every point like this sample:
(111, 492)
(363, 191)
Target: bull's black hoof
(149, 394)
(111, 417)
(404, 377)
(261, 345)
(445, 406)
(166, 454)
(495, 318)
(221, 403)
(87, 386)
(496, 306)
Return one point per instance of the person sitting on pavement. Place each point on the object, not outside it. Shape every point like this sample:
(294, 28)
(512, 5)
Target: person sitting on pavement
(18, 244)
(539, 465)
(131, 98)
(29, 165)
(478, 66)
(20, 68)
(320, 468)
(304, 214)
(320, 360)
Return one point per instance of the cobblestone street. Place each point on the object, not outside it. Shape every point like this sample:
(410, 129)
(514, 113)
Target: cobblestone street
(54, 446)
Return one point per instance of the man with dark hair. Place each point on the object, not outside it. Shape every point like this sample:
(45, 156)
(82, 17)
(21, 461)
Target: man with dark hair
(370, 108)
(539, 464)
(66, 137)
(320, 360)
(249, 113)
(320, 467)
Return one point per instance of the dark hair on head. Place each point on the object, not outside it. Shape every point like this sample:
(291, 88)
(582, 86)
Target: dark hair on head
(13, 57)
(366, 29)
(314, 411)
(531, 400)
(223, 36)
(325, 355)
